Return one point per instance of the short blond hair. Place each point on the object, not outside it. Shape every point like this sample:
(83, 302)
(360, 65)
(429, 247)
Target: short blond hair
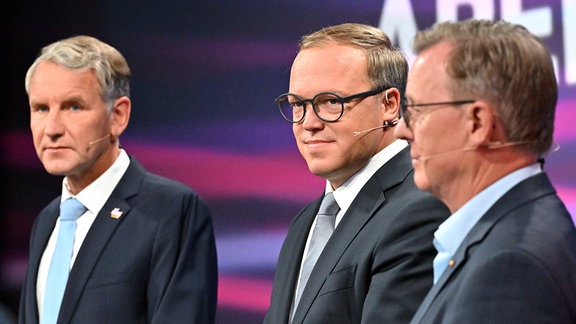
(387, 66)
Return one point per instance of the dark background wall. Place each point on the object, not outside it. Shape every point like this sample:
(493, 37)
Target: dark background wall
(205, 74)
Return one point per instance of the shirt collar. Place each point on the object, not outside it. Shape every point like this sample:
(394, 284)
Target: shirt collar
(95, 195)
(347, 192)
(453, 230)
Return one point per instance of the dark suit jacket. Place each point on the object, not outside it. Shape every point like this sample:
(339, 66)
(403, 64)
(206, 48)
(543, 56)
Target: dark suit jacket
(517, 264)
(377, 265)
(155, 264)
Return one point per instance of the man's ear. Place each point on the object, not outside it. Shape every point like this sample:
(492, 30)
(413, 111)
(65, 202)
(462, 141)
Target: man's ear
(391, 103)
(482, 121)
(119, 116)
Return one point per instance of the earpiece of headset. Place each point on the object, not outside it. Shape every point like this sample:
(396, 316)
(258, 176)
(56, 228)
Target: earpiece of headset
(390, 123)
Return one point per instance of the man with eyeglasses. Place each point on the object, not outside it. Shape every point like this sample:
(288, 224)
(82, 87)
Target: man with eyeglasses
(367, 257)
(480, 116)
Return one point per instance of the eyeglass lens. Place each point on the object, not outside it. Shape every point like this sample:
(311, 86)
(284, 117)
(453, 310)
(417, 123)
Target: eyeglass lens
(327, 107)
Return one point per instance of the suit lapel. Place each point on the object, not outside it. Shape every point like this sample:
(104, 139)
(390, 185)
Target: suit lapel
(352, 222)
(369, 200)
(525, 191)
(43, 228)
(98, 236)
(294, 251)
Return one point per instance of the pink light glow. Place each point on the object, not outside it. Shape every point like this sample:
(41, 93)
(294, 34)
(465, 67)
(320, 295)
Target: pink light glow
(246, 294)
(211, 173)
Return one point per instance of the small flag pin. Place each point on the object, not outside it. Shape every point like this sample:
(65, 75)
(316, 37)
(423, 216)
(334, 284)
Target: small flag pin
(116, 213)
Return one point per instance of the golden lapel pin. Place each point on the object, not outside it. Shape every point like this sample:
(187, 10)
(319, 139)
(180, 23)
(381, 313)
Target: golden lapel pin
(116, 213)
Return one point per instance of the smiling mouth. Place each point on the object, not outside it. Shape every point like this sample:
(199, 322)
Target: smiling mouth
(316, 141)
(316, 144)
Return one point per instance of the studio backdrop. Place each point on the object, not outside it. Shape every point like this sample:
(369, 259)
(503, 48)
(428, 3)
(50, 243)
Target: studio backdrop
(205, 75)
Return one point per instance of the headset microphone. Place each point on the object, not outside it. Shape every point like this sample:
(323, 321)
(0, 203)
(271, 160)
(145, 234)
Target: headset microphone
(433, 156)
(387, 123)
(98, 140)
(489, 146)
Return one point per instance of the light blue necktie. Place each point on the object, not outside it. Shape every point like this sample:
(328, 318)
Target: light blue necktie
(325, 220)
(70, 210)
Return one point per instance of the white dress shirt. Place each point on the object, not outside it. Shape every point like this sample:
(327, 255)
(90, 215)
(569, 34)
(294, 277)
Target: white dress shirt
(93, 197)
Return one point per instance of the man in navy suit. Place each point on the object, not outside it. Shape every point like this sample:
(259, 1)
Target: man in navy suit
(345, 88)
(480, 116)
(144, 249)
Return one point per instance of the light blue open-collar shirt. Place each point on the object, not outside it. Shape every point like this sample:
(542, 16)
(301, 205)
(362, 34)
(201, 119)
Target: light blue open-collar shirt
(453, 230)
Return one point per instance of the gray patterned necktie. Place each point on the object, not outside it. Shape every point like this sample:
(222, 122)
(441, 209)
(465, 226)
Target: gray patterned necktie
(322, 230)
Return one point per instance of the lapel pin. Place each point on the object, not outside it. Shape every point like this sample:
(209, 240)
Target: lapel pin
(116, 213)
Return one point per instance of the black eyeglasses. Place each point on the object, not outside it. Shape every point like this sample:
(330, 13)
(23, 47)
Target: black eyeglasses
(328, 106)
(407, 115)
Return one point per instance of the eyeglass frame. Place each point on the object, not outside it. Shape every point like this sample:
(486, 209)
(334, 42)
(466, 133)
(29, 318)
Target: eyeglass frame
(342, 100)
(406, 115)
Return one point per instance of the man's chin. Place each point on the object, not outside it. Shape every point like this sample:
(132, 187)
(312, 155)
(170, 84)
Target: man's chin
(56, 169)
(319, 171)
(421, 181)
(326, 173)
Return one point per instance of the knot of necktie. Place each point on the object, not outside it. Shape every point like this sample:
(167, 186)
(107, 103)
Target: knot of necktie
(329, 205)
(71, 209)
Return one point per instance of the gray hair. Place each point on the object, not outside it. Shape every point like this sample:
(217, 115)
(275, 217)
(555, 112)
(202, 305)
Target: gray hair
(506, 65)
(89, 53)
